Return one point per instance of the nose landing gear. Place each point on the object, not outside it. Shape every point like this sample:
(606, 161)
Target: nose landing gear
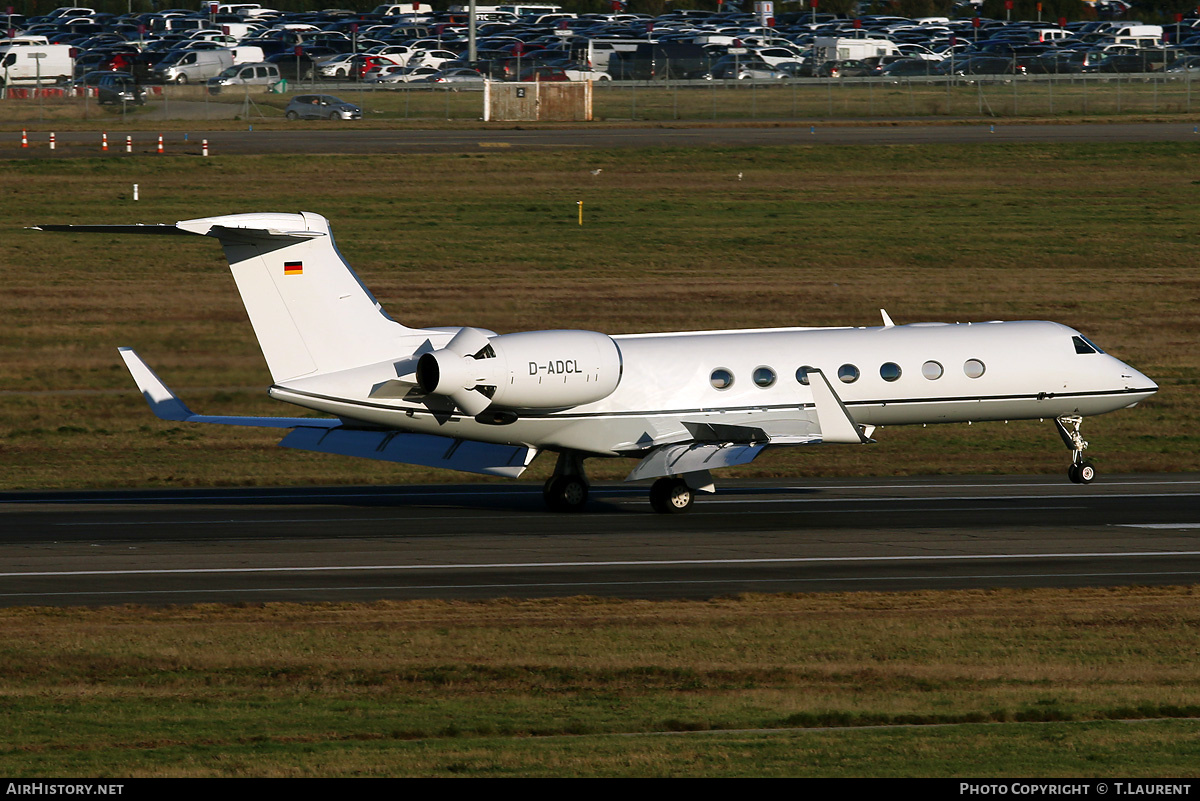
(1081, 471)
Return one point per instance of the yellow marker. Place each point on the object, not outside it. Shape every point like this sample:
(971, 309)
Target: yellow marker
(579, 203)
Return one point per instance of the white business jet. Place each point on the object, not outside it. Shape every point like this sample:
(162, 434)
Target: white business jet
(682, 404)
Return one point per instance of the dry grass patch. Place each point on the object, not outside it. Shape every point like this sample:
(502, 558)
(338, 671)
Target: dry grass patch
(349, 682)
(671, 241)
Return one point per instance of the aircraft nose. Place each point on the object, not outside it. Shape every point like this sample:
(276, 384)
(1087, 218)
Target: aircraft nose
(1137, 382)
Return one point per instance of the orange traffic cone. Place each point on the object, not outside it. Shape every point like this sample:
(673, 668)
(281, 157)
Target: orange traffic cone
(24, 139)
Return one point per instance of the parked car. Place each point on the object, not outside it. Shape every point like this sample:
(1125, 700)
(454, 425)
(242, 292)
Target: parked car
(544, 74)
(339, 66)
(299, 67)
(263, 74)
(321, 107)
(907, 67)
(185, 66)
(398, 74)
(1190, 64)
(118, 88)
(431, 58)
(746, 67)
(850, 68)
(564, 72)
(457, 75)
(981, 65)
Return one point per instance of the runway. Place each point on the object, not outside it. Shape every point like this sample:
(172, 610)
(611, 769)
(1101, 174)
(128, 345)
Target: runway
(496, 540)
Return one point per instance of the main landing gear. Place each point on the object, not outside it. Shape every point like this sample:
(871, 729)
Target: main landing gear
(1081, 471)
(671, 495)
(567, 489)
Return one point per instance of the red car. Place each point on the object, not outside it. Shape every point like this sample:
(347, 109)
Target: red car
(544, 74)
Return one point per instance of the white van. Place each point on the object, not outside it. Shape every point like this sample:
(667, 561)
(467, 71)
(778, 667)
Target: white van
(31, 63)
(194, 66)
(402, 9)
(247, 54)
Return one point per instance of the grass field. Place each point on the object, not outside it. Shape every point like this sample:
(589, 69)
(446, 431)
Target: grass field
(671, 240)
(1042, 683)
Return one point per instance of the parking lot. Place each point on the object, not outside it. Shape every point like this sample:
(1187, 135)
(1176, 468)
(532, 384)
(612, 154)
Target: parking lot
(413, 62)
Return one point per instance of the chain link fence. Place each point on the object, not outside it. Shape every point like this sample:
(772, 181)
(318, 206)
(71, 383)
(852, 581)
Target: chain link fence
(1024, 96)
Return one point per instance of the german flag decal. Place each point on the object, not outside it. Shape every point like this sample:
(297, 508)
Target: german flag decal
(293, 268)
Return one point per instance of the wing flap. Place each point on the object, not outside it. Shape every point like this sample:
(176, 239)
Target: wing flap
(693, 457)
(427, 450)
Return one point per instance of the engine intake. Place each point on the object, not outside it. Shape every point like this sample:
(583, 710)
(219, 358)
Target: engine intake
(528, 370)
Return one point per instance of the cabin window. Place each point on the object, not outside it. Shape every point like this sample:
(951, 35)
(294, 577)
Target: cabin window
(890, 371)
(973, 368)
(848, 373)
(802, 374)
(931, 370)
(721, 378)
(764, 377)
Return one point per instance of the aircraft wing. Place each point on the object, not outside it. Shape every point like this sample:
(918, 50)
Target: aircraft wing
(332, 435)
(714, 445)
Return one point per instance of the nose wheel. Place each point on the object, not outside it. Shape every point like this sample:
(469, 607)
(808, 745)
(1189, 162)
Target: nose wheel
(1081, 470)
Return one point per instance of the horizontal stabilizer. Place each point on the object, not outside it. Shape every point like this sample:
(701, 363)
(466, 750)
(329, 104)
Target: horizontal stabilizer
(159, 230)
(166, 404)
(427, 450)
(203, 227)
(693, 457)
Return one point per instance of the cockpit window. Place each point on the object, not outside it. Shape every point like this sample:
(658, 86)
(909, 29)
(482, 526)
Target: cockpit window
(1085, 345)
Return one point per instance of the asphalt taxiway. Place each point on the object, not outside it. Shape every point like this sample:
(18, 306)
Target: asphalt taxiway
(496, 540)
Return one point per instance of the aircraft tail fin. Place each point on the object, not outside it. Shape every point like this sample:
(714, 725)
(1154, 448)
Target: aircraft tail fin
(310, 311)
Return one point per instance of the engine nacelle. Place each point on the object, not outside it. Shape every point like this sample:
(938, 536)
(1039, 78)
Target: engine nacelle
(528, 370)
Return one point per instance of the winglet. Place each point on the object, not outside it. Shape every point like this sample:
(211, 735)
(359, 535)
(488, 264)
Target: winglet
(887, 320)
(832, 416)
(163, 402)
(166, 404)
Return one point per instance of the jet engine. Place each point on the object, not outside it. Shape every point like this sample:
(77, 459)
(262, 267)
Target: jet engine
(528, 370)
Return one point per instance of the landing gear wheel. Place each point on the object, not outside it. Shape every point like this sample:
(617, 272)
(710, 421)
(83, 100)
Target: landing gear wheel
(565, 494)
(1082, 473)
(671, 496)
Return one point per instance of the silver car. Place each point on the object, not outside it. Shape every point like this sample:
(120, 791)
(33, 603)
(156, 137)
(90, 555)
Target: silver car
(321, 107)
(260, 74)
